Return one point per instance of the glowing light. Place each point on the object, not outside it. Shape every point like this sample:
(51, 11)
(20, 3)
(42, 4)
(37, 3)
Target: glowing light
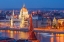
(52, 38)
(23, 35)
(33, 12)
(61, 37)
(23, 16)
(11, 34)
(57, 38)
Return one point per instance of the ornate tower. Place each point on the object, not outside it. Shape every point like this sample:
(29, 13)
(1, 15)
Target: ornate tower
(55, 23)
(23, 17)
(12, 17)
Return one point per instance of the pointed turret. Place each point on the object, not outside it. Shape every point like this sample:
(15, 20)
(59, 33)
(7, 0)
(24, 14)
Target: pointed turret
(13, 12)
(12, 17)
(54, 20)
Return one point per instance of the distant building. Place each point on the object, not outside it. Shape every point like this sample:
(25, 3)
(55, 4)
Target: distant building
(39, 21)
(60, 21)
(37, 16)
(2, 16)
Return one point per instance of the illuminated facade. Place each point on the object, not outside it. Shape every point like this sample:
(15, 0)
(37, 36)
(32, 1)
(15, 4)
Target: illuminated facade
(54, 23)
(23, 17)
(60, 21)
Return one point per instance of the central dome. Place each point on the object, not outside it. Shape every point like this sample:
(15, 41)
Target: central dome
(24, 9)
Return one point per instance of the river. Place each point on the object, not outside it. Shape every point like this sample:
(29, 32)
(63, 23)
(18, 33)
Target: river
(42, 37)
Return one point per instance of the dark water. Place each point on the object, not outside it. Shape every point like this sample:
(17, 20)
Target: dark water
(42, 37)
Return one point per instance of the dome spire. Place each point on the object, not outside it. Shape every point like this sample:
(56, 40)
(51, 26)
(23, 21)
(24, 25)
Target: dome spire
(23, 5)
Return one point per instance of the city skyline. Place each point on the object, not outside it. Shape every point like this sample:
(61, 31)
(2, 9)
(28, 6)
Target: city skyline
(32, 3)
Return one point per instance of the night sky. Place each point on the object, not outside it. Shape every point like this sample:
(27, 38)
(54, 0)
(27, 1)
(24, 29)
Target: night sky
(32, 3)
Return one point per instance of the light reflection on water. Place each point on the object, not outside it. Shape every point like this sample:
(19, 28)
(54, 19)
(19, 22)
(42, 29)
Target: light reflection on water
(24, 35)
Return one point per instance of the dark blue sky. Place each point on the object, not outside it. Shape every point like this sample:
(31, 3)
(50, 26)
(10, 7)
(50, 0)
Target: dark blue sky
(32, 3)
